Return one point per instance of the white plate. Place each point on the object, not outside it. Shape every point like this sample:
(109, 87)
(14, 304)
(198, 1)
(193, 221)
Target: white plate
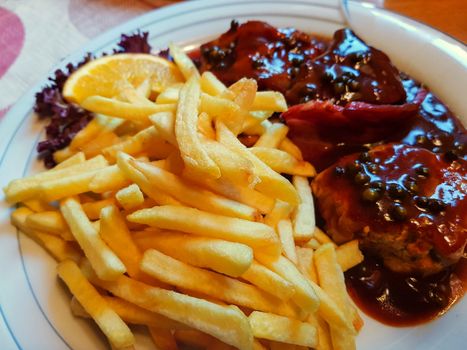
(34, 312)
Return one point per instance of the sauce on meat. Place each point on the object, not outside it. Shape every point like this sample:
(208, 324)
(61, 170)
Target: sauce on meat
(347, 97)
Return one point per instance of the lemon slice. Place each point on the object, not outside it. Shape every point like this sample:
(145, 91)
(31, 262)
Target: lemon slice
(109, 75)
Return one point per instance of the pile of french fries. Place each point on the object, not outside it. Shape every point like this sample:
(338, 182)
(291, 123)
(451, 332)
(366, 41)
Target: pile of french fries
(158, 215)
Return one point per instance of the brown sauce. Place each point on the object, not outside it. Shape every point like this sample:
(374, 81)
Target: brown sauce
(404, 300)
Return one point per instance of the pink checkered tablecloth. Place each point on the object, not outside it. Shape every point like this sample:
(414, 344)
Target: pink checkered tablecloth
(36, 34)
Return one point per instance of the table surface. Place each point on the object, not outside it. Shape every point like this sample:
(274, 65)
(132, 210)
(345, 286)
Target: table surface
(63, 26)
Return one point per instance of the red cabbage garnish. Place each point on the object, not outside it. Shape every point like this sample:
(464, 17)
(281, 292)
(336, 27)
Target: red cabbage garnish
(67, 119)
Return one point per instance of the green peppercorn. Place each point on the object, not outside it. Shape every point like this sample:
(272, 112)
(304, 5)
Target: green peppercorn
(397, 212)
(421, 202)
(396, 191)
(373, 168)
(354, 167)
(436, 205)
(339, 88)
(411, 186)
(422, 171)
(380, 185)
(421, 139)
(361, 178)
(364, 157)
(371, 195)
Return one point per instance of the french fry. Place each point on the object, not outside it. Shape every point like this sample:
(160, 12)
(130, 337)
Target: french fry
(282, 329)
(93, 209)
(229, 258)
(233, 167)
(63, 154)
(192, 195)
(349, 255)
(131, 314)
(163, 339)
(226, 323)
(205, 126)
(273, 136)
(124, 110)
(197, 162)
(106, 264)
(130, 197)
(66, 186)
(183, 62)
(269, 101)
(115, 234)
(77, 158)
(239, 193)
(194, 338)
(332, 281)
(305, 263)
(268, 281)
(252, 124)
(218, 106)
(281, 211)
(291, 148)
(312, 243)
(148, 138)
(321, 237)
(164, 122)
(47, 221)
(38, 205)
(56, 246)
(305, 295)
(95, 146)
(271, 184)
(143, 183)
(170, 94)
(108, 179)
(253, 234)
(29, 187)
(284, 229)
(283, 162)
(303, 217)
(211, 85)
(109, 322)
(221, 287)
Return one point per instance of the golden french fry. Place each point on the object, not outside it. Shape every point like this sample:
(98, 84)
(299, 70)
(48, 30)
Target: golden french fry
(305, 263)
(218, 106)
(47, 221)
(103, 140)
(28, 187)
(183, 62)
(272, 183)
(124, 110)
(164, 122)
(312, 243)
(75, 159)
(282, 329)
(93, 209)
(106, 264)
(291, 148)
(349, 255)
(332, 281)
(233, 167)
(221, 287)
(148, 138)
(130, 197)
(253, 123)
(143, 183)
(197, 161)
(193, 195)
(303, 217)
(38, 205)
(281, 211)
(239, 193)
(66, 186)
(283, 162)
(268, 281)
(321, 237)
(114, 232)
(131, 314)
(211, 85)
(108, 179)
(57, 247)
(305, 295)
(273, 136)
(226, 257)
(190, 220)
(205, 126)
(284, 229)
(226, 323)
(269, 101)
(63, 154)
(170, 94)
(109, 322)
(163, 339)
